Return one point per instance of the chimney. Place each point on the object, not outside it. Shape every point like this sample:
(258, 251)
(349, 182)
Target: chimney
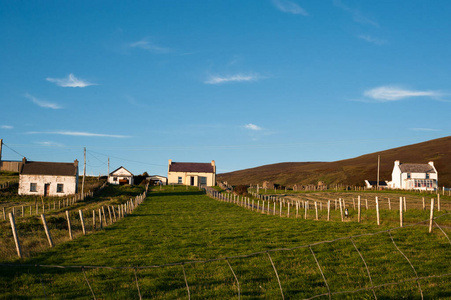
(76, 163)
(213, 163)
(24, 160)
(431, 163)
(397, 163)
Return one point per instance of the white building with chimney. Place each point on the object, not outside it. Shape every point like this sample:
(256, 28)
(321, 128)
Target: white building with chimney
(195, 174)
(409, 176)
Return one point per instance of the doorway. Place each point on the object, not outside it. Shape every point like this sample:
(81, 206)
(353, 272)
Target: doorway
(46, 189)
(192, 180)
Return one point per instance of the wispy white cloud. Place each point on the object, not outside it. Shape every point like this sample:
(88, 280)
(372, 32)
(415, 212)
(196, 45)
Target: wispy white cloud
(42, 103)
(424, 129)
(372, 40)
(393, 93)
(146, 44)
(216, 79)
(70, 81)
(289, 7)
(253, 127)
(6, 127)
(50, 144)
(357, 16)
(79, 133)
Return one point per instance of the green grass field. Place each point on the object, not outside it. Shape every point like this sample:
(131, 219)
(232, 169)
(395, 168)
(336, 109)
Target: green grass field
(175, 226)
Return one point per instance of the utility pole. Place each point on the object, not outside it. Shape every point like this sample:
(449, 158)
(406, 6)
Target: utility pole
(108, 178)
(378, 166)
(84, 175)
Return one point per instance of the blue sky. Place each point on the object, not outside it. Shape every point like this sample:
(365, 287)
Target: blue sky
(244, 83)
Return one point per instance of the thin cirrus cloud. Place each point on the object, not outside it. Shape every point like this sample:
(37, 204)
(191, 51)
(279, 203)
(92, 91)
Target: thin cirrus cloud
(357, 16)
(252, 127)
(216, 79)
(146, 44)
(289, 7)
(70, 81)
(6, 127)
(42, 103)
(372, 40)
(79, 133)
(393, 93)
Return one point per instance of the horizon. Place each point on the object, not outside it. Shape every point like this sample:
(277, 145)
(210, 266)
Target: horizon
(245, 84)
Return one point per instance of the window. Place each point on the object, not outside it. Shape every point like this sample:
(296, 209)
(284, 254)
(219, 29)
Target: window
(60, 188)
(33, 187)
(427, 175)
(408, 175)
(203, 180)
(114, 178)
(179, 180)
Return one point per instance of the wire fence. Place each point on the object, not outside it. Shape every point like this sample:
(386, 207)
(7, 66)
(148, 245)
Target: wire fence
(313, 248)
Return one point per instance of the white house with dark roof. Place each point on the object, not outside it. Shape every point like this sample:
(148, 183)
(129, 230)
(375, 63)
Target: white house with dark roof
(121, 176)
(195, 174)
(414, 176)
(48, 178)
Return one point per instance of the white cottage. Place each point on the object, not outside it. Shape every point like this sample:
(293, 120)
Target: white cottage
(121, 176)
(414, 176)
(48, 178)
(195, 174)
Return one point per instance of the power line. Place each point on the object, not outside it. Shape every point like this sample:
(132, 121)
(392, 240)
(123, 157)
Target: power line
(13, 150)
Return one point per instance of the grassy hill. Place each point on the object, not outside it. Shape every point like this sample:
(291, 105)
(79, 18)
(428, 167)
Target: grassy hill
(350, 171)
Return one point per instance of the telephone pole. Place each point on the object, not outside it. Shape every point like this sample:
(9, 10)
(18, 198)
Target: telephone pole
(378, 166)
(84, 175)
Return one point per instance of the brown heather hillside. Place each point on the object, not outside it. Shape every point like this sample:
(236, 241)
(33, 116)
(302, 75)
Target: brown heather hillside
(350, 171)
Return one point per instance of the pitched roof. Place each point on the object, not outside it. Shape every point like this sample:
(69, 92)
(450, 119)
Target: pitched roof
(416, 168)
(191, 167)
(49, 168)
(121, 167)
(374, 182)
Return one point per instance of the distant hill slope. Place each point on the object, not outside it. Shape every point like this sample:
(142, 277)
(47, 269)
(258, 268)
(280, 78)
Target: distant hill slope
(350, 171)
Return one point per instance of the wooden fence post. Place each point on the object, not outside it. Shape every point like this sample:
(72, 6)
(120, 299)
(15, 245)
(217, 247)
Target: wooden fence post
(100, 218)
(306, 208)
(288, 214)
(377, 211)
(424, 204)
(316, 210)
(359, 216)
(432, 215)
(400, 212)
(93, 219)
(389, 204)
(68, 225)
(82, 221)
(16, 237)
(341, 210)
(104, 216)
(47, 232)
(328, 210)
(109, 213)
(114, 212)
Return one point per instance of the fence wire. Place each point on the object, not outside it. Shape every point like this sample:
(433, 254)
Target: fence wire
(329, 293)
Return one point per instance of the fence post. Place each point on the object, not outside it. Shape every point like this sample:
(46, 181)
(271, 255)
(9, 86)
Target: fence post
(359, 216)
(328, 210)
(109, 213)
(306, 208)
(424, 205)
(100, 218)
(316, 210)
(377, 211)
(405, 204)
(82, 222)
(400, 211)
(432, 215)
(93, 219)
(68, 224)
(341, 210)
(47, 232)
(389, 204)
(16, 237)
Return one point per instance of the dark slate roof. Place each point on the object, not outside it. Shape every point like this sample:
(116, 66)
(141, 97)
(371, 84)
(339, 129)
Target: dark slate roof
(416, 168)
(374, 182)
(191, 167)
(49, 168)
